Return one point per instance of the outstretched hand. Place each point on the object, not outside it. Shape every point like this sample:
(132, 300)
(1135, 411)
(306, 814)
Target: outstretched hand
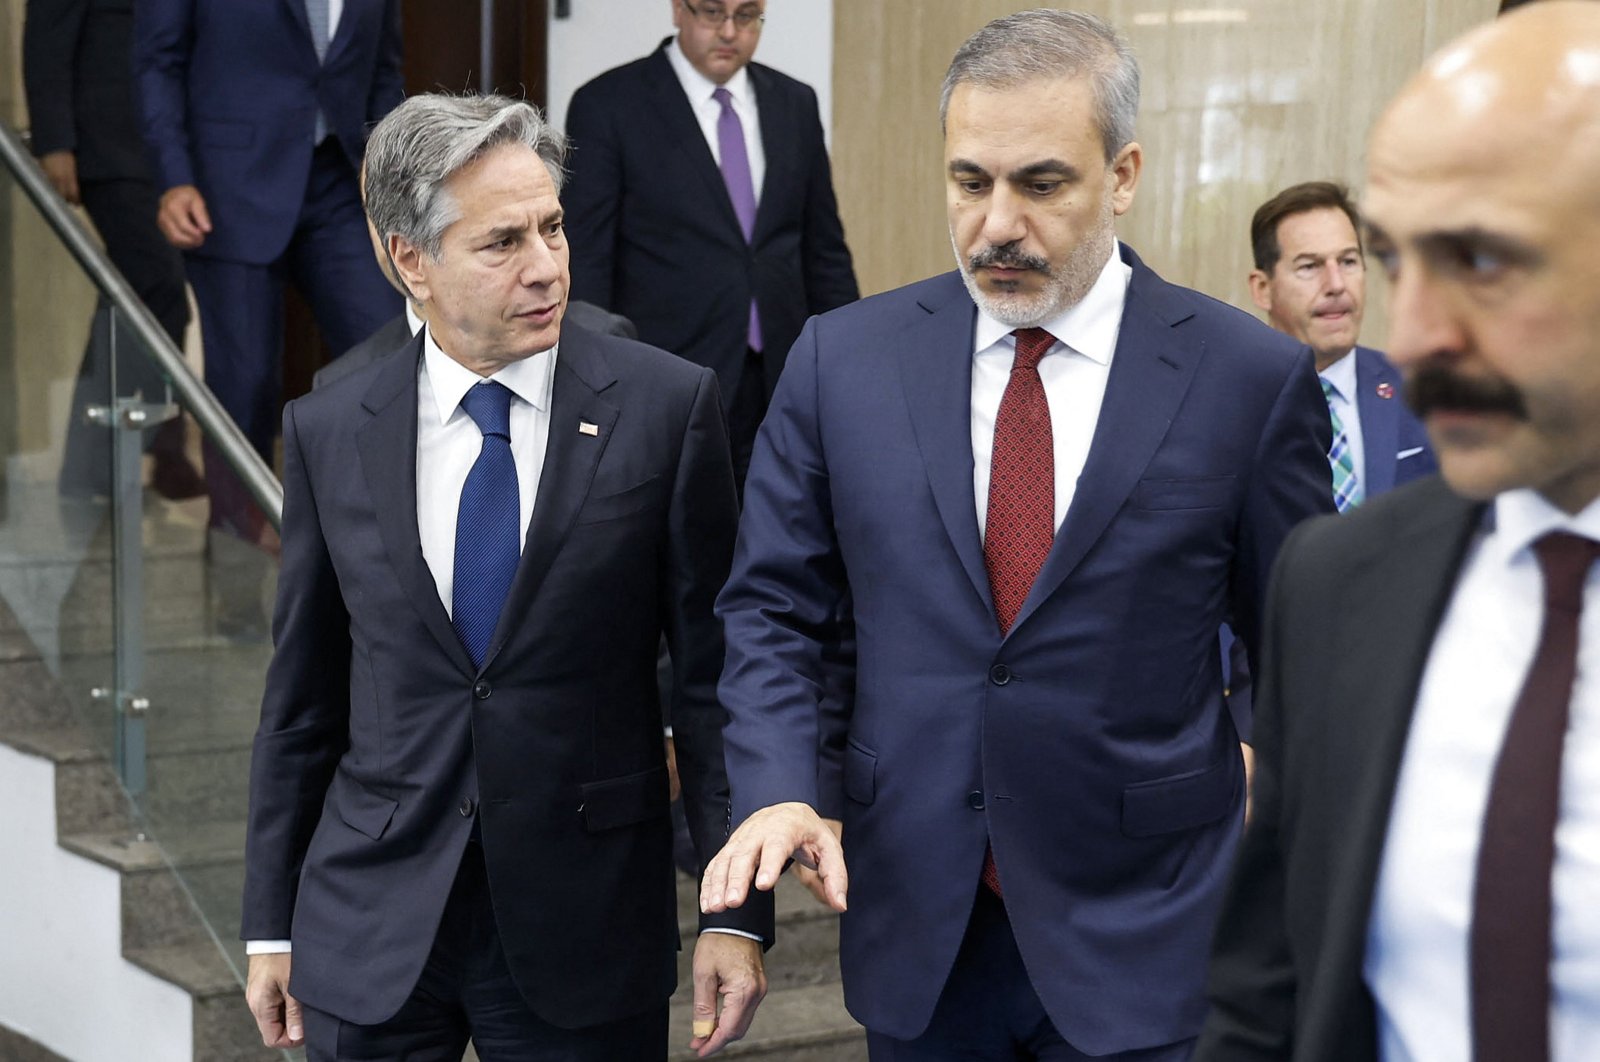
(760, 846)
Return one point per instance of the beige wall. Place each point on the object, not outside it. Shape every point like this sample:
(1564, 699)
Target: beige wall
(1240, 97)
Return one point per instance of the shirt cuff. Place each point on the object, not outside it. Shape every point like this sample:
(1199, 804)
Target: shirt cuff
(266, 947)
(733, 933)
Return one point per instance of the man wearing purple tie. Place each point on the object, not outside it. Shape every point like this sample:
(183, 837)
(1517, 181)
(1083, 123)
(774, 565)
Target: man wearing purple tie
(700, 205)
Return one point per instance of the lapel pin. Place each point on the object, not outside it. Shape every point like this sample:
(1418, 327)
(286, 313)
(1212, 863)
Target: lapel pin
(585, 428)
(1386, 390)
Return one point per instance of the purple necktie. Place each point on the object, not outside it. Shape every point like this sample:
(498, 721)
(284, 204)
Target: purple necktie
(741, 188)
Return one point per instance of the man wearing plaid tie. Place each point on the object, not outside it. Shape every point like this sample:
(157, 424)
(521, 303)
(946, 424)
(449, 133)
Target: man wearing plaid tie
(1043, 481)
(1310, 280)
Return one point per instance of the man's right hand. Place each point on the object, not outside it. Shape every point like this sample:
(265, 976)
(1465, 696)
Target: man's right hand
(61, 167)
(277, 1013)
(758, 848)
(183, 217)
(810, 878)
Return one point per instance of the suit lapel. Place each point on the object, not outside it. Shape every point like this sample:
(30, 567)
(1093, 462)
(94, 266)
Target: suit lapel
(778, 143)
(682, 128)
(1378, 654)
(936, 369)
(570, 459)
(1150, 374)
(387, 447)
(297, 12)
(1380, 420)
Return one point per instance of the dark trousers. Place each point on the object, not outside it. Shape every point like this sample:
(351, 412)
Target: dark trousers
(989, 1012)
(124, 213)
(329, 260)
(466, 992)
(746, 406)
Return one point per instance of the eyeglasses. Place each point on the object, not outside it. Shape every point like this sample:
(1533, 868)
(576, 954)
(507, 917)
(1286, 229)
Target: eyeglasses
(712, 16)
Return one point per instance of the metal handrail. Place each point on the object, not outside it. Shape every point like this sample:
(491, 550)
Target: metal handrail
(197, 397)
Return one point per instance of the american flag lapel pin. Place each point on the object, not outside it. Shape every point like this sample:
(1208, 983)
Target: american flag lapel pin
(586, 428)
(1386, 390)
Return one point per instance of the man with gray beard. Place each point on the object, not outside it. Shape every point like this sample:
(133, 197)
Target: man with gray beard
(1044, 481)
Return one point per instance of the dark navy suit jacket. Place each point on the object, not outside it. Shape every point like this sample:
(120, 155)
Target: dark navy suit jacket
(380, 741)
(230, 91)
(1090, 746)
(1394, 442)
(653, 232)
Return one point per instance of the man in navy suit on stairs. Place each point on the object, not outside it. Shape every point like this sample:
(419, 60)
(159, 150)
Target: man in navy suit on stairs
(256, 116)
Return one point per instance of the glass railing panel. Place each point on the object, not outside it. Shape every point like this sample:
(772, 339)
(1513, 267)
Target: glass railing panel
(138, 565)
(56, 630)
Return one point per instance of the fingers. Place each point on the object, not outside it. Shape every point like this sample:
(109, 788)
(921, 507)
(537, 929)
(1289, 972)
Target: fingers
(704, 1009)
(830, 868)
(810, 879)
(739, 1002)
(295, 1027)
(183, 218)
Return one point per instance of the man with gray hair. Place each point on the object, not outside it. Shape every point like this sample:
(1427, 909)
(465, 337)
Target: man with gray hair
(458, 798)
(1045, 480)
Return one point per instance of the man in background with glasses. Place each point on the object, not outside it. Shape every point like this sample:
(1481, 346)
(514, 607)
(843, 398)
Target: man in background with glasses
(701, 205)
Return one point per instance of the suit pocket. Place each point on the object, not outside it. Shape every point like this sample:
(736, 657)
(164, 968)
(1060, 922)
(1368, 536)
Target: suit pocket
(624, 801)
(361, 809)
(224, 134)
(1181, 802)
(1202, 492)
(638, 498)
(860, 772)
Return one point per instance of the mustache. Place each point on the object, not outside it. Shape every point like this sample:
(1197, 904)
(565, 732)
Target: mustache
(1010, 256)
(1434, 387)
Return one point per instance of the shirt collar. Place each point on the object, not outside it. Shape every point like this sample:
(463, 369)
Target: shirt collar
(1341, 376)
(413, 322)
(1089, 326)
(1523, 516)
(698, 87)
(529, 378)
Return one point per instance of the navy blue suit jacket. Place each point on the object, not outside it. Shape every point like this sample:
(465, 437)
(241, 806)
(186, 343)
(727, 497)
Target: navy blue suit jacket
(653, 232)
(1394, 442)
(229, 92)
(379, 740)
(1090, 746)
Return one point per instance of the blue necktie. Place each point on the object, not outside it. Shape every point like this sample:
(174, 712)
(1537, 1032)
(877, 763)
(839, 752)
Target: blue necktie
(488, 542)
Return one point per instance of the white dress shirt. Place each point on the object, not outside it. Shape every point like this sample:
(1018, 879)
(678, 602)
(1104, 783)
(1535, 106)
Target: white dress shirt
(335, 9)
(448, 442)
(1074, 371)
(707, 111)
(1341, 376)
(1417, 942)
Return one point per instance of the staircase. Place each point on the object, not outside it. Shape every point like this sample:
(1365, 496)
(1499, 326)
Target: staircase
(177, 918)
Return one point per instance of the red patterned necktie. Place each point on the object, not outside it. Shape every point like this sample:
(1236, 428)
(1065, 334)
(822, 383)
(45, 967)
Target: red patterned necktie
(1510, 945)
(1021, 521)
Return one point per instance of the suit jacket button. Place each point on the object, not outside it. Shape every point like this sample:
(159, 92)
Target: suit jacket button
(481, 690)
(975, 800)
(999, 674)
(466, 808)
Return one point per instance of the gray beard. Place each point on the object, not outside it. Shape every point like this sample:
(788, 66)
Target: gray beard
(1064, 286)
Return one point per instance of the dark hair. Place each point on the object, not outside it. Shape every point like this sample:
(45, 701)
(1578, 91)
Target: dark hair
(1296, 199)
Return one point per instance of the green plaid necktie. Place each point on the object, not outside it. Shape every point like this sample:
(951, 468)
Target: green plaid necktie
(1347, 492)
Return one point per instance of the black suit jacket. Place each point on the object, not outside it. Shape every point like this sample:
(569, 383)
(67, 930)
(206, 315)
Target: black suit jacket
(653, 232)
(1353, 609)
(396, 333)
(77, 73)
(379, 740)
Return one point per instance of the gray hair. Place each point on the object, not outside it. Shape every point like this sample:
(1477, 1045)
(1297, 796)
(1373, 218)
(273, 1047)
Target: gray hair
(431, 137)
(1040, 44)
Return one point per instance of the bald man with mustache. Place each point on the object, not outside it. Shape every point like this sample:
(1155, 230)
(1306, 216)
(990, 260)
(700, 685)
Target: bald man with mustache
(1422, 873)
